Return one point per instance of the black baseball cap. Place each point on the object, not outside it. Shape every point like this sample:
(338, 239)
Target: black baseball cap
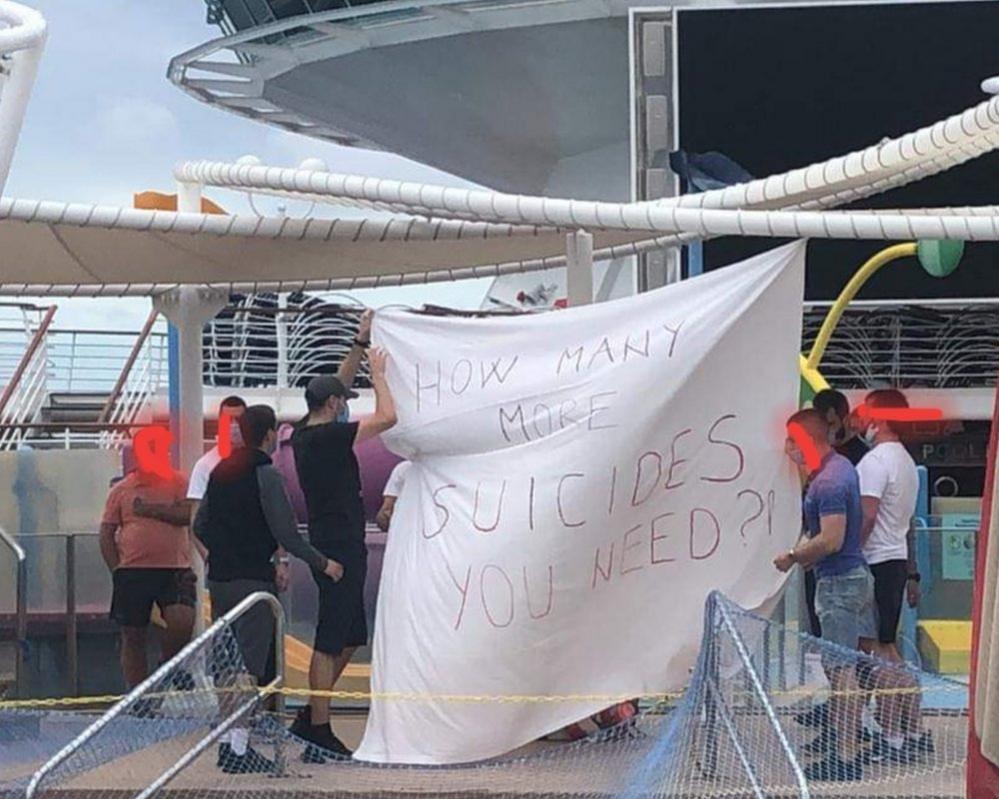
(320, 389)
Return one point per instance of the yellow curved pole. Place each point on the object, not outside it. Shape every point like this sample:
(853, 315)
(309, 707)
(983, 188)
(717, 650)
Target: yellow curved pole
(810, 365)
(811, 376)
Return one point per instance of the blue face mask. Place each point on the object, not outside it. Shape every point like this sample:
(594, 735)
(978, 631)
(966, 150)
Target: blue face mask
(344, 416)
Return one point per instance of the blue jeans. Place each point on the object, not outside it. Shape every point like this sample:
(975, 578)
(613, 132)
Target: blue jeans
(844, 604)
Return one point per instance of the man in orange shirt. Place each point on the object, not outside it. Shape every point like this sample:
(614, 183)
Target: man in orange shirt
(146, 545)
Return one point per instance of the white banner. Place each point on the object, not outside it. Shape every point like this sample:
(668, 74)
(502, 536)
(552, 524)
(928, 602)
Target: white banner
(582, 479)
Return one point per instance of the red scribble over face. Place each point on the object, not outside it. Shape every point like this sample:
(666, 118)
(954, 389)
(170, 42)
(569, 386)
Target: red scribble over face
(151, 446)
(866, 414)
(800, 448)
(227, 418)
(225, 434)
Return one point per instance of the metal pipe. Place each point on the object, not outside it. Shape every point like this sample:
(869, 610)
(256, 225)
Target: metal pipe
(734, 736)
(72, 653)
(747, 663)
(29, 354)
(579, 267)
(136, 693)
(21, 611)
(126, 370)
(22, 43)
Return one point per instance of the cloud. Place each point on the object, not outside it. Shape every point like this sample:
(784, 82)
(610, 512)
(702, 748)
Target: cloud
(137, 121)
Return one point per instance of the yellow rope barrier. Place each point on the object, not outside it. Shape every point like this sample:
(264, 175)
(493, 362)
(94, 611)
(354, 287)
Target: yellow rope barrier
(109, 699)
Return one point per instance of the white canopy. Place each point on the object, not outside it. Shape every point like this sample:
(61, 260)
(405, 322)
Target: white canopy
(442, 233)
(52, 248)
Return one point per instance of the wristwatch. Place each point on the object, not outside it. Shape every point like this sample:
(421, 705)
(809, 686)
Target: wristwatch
(791, 554)
(362, 344)
(284, 560)
(915, 577)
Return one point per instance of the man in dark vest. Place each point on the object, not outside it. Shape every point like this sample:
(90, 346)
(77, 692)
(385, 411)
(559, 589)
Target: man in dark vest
(243, 520)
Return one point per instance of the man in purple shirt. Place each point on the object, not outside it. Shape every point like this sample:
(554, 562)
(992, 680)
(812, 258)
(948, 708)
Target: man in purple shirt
(844, 591)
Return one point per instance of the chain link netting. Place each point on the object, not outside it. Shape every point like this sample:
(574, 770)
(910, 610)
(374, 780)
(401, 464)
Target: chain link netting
(765, 707)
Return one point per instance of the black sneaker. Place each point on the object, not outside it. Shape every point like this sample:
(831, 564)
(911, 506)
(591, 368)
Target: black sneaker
(322, 743)
(832, 769)
(182, 680)
(301, 728)
(146, 707)
(923, 745)
(821, 744)
(817, 716)
(882, 751)
(323, 737)
(250, 762)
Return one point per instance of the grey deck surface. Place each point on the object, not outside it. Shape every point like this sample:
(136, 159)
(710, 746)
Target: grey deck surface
(594, 771)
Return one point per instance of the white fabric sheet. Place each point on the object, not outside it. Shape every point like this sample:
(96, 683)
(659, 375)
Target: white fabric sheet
(581, 480)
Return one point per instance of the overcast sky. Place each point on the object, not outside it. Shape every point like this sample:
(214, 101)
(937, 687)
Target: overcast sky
(104, 122)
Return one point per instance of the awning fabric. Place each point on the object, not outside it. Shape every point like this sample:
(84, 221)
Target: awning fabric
(52, 248)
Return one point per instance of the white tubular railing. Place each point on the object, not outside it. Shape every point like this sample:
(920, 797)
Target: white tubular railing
(22, 398)
(22, 37)
(742, 210)
(900, 344)
(266, 346)
(90, 361)
(27, 403)
(20, 608)
(129, 703)
(143, 380)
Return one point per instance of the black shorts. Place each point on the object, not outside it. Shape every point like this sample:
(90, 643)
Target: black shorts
(254, 630)
(889, 588)
(342, 622)
(135, 591)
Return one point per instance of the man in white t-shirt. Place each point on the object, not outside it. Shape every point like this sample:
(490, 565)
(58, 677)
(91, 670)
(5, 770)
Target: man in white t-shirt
(197, 484)
(393, 488)
(889, 485)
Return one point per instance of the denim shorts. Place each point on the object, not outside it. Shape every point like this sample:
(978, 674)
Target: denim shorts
(844, 604)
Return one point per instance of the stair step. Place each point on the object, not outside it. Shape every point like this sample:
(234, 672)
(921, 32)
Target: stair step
(62, 399)
(68, 408)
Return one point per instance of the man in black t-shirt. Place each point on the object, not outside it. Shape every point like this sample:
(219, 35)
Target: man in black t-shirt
(331, 481)
(836, 408)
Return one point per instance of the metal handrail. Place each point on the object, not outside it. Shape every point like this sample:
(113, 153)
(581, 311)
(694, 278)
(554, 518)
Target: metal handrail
(144, 687)
(126, 370)
(26, 359)
(21, 608)
(757, 687)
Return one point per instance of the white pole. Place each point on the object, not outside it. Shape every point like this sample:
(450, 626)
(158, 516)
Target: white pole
(281, 329)
(188, 308)
(189, 197)
(579, 267)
